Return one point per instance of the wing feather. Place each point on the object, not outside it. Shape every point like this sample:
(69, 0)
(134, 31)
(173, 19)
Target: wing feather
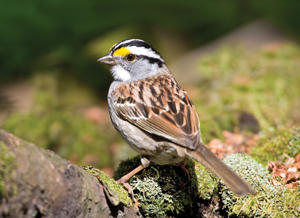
(160, 107)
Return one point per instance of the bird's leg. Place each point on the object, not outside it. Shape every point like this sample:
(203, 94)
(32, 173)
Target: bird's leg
(124, 179)
(144, 163)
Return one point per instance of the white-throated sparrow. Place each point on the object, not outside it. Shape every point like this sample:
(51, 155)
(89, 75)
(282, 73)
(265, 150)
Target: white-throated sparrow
(155, 116)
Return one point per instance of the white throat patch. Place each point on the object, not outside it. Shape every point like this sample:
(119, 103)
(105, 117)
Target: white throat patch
(119, 73)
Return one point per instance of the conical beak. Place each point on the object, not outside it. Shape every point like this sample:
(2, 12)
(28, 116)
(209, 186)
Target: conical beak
(107, 59)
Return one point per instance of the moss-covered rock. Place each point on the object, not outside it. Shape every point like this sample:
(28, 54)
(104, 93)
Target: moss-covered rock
(276, 142)
(6, 166)
(269, 201)
(168, 191)
(162, 190)
(114, 191)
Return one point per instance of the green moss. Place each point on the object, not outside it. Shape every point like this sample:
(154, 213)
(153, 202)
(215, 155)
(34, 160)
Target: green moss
(207, 182)
(269, 201)
(166, 190)
(276, 142)
(264, 84)
(6, 166)
(162, 190)
(115, 192)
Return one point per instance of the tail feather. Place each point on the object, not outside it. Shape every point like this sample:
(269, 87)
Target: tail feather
(212, 162)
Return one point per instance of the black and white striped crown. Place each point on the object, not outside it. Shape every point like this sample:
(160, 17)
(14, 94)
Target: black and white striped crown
(140, 48)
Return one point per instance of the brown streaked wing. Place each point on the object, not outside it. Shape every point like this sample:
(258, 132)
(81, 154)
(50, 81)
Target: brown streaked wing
(159, 106)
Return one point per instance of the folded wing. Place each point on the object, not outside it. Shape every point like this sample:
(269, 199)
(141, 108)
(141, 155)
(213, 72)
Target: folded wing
(158, 105)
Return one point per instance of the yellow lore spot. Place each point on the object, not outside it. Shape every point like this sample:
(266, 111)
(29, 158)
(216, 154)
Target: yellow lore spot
(121, 51)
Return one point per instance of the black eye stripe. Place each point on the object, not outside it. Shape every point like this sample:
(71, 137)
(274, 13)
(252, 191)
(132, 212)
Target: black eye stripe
(152, 60)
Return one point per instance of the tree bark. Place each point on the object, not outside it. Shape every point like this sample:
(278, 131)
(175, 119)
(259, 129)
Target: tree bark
(38, 183)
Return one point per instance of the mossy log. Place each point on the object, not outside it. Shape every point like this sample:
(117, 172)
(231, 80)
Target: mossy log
(35, 182)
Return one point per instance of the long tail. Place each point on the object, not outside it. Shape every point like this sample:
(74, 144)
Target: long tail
(212, 162)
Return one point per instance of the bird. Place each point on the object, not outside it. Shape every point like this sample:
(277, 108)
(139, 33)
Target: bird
(155, 116)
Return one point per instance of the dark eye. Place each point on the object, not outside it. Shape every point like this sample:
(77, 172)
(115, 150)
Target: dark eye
(130, 57)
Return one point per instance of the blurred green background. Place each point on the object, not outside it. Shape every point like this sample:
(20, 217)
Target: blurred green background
(52, 90)
(37, 35)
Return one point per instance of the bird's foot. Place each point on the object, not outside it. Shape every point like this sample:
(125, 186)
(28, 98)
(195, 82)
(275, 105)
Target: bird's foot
(124, 181)
(128, 187)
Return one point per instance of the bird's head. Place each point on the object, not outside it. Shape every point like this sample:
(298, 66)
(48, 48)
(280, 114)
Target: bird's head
(133, 59)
